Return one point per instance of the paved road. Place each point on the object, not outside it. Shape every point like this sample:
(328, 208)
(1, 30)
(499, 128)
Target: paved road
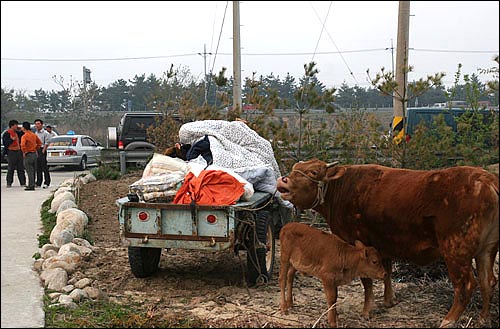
(22, 292)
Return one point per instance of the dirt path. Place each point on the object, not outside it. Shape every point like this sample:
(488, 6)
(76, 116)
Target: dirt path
(210, 285)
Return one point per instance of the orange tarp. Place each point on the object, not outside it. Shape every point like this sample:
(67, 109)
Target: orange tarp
(211, 187)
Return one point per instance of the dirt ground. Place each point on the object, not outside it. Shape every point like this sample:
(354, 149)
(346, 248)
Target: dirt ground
(210, 285)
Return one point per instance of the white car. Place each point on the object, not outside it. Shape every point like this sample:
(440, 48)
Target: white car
(73, 150)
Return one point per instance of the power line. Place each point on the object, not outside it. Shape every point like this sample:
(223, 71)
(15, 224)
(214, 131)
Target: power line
(338, 51)
(458, 51)
(307, 53)
(90, 59)
(322, 28)
(218, 41)
(245, 54)
(207, 89)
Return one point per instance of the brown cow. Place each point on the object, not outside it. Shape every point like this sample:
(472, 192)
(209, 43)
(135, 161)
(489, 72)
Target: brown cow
(412, 215)
(327, 257)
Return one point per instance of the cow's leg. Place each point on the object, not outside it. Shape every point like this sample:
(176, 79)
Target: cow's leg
(331, 300)
(289, 278)
(283, 280)
(369, 297)
(464, 284)
(484, 263)
(491, 275)
(389, 296)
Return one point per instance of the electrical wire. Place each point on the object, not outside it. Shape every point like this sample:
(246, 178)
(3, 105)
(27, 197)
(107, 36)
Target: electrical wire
(90, 59)
(322, 28)
(244, 54)
(216, 49)
(218, 41)
(338, 51)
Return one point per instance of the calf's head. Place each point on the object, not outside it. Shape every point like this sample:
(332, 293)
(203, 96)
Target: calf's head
(307, 183)
(370, 264)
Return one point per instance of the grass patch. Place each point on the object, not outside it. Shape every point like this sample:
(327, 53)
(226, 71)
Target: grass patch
(106, 172)
(86, 234)
(103, 314)
(48, 222)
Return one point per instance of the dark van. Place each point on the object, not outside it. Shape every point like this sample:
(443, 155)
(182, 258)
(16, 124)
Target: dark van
(428, 115)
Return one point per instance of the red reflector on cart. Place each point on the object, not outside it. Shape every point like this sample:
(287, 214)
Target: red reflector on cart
(211, 219)
(143, 216)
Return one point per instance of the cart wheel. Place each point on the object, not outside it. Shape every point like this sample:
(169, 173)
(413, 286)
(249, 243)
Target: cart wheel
(143, 261)
(261, 253)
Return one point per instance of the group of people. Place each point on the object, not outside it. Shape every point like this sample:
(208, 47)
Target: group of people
(27, 153)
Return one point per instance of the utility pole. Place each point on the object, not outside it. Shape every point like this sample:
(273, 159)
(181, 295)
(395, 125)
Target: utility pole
(205, 68)
(392, 55)
(401, 74)
(236, 57)
(86, 79)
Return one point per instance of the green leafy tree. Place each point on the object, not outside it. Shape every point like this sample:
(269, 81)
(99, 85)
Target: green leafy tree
(221, 91)
(492, 85)
(311, 94)
(114, 97)
(181, 100)
(42, 100)
(357, 138)
(385, 82)
(8, 106)
(477, 132)
(140, 88)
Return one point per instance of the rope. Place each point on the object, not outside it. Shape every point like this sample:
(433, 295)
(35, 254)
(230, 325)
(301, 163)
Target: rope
(322, 189)
(259, 208)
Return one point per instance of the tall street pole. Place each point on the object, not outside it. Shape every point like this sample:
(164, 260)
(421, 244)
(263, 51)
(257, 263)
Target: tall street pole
(205, 68)
(401, 74)
(236, 57)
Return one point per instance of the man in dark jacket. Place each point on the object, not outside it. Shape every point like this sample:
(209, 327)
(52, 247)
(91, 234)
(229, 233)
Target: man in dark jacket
(11, 140)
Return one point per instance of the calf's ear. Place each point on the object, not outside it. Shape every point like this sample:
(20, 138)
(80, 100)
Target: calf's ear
(359, 244)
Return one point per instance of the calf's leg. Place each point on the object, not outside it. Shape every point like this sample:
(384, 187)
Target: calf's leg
(331, 300)
(389, 297)
(289, 278)
(285, 264)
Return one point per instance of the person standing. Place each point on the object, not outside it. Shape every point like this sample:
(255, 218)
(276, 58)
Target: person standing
(50, 131)
(30, 143)
(42, 167)
(12, 141)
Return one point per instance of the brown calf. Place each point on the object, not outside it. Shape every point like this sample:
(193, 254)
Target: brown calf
(327, 257)
(412, 215)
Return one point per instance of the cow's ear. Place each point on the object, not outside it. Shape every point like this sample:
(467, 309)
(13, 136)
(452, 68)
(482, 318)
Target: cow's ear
(335, 173)
(359, 244)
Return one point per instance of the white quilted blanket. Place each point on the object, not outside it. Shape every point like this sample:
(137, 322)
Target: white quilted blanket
(236, 146)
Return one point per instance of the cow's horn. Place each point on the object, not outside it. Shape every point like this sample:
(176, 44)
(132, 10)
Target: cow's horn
(332, 164)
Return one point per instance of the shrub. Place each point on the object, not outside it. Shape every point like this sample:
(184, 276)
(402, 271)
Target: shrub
(106, 172)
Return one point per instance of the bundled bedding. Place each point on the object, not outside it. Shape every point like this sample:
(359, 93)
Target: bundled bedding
(234, 155)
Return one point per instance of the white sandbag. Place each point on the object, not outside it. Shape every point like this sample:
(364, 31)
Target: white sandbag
(160, 163)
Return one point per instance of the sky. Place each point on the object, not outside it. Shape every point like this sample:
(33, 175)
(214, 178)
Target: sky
(122, 39)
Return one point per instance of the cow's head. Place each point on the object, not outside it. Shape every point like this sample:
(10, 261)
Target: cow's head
(307, 183)
(370, 264)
